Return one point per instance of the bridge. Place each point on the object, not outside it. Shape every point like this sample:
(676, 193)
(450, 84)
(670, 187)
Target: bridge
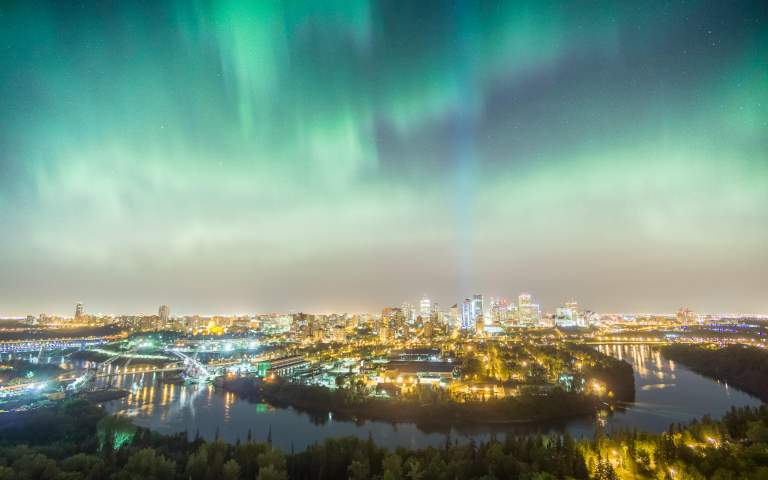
(628, 341)
(22, 346)
(197, 372)
(193, 370)
(215, 345)
(87, 380)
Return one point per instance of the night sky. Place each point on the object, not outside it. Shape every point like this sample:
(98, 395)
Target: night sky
(345, 155)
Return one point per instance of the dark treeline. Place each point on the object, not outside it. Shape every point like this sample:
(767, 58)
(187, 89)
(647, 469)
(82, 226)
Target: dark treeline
(76, 440)
(425, 407)
(741, 366)
(15, 371)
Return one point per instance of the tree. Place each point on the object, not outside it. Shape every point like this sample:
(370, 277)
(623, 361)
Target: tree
(81, 462)
(414, 470)
(359, 470)
(273, 458)
(7, 473)
(271, 473)
(114, 432)
(231, 470)
(146, 464)
(757, 432)
(543, 476)
(247, 456)
(392, 466)
(35, 466)
(604, 470)
(197, 464)
(70, 476)
(436, 469)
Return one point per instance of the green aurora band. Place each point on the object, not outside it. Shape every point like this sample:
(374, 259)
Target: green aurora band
(344, 155)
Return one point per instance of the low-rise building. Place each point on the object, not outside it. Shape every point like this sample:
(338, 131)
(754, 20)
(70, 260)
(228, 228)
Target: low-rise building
(283, 367)
(424, 372)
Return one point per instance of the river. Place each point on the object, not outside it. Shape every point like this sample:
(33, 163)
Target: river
(665, 393)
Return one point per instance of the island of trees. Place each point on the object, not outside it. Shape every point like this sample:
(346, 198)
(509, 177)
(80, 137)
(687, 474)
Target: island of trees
(76, 440)
(541, 382)
(428, 407)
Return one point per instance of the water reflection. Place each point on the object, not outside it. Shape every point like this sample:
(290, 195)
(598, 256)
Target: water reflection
(665, 393)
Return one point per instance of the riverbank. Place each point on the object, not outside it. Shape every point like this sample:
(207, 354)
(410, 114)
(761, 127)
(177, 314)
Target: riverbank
(100, 396)
(740, 366)
(76, 439)
(345, 404)
(666, 393)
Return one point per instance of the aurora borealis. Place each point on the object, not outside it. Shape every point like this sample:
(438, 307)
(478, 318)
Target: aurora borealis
(344, 155)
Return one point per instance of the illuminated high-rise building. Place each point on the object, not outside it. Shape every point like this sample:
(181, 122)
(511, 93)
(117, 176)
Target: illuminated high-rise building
(528, 313)
(454, 317)
(579, 317)
(488, 308)
(164, 312)
(467, 319)
(686, 316)
(409, 311)
(565, 317)
(79, 310)
(536, 315)
(500, 311)
(394, 319)
(425, 307)
(512, 319)
(524, 299)
(477, 305)
(384, 332)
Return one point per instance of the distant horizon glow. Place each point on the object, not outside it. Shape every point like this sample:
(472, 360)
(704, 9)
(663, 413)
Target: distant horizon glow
(346, 156)
(329, 312)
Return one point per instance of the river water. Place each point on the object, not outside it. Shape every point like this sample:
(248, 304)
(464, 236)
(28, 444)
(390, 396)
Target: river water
(665, 393)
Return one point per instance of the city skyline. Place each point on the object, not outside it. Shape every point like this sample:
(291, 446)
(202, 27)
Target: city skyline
(164, 312)
(546, 305)
(345, 156)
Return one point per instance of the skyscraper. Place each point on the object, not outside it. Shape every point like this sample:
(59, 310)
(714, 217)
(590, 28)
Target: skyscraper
(565, 317)
(384, 332)
(425, 307)
(488, 305)
(528, 312)
(477, 305)
(79, 310)
(454, 317)
(499, 311)
(409, 311)
(524, 299)
(467, 319)
(578, 316)
(164, 312)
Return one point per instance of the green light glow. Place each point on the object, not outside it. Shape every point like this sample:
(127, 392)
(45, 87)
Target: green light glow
(122, 438)
(235, 156)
